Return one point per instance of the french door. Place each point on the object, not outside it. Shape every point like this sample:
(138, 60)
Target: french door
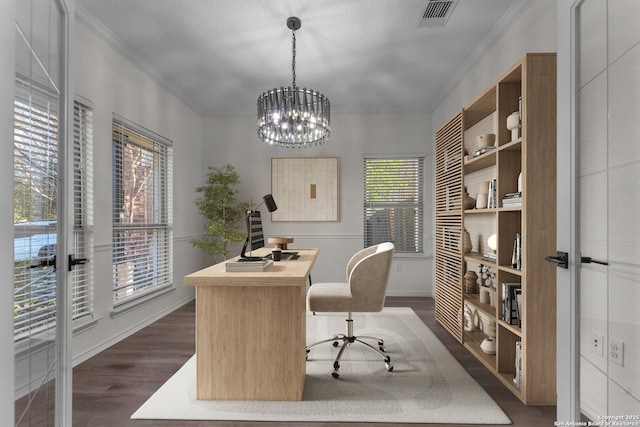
(599, 295)
(41, 271)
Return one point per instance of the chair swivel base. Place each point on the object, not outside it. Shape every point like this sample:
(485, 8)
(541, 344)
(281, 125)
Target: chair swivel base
(348, 339)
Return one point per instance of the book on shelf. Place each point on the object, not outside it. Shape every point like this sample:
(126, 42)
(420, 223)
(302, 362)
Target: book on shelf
(493, 195)
(489, 256)
(519, 117)
(512, 199)
(510, 309)
(517, 372)
(511, 203)
(248, 266)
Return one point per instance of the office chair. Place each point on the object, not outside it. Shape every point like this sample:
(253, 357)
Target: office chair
(367, 275)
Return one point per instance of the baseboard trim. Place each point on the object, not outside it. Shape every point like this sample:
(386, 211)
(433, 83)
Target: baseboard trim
(89, 353)
(411, 294)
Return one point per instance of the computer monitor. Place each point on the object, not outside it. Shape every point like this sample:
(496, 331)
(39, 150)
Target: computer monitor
(255, 236)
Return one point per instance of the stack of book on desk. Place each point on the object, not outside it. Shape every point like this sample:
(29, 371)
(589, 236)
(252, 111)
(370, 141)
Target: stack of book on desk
(248, 266)
(512, 199)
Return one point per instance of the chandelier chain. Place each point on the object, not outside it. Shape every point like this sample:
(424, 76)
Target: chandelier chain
(293, 56)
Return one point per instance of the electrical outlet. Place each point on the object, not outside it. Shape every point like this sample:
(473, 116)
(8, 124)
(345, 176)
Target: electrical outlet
(597, 344)
(616, 351)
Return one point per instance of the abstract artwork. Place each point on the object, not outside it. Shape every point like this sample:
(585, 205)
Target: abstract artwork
(305, 189)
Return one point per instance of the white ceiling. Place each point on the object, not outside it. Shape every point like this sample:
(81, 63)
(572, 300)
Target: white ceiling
(367, 56)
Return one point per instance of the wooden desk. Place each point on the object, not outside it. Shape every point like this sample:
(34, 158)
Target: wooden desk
(251, 330)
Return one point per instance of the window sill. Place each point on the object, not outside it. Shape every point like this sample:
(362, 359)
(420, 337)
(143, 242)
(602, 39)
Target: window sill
(84, 325)
(126, 307)
(411, 255)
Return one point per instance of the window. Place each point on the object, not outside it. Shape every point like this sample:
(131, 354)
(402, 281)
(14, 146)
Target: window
(393, 202)
(35, 208)
(142, 234)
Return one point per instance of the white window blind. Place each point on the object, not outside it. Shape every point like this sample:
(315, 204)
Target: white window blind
(35, 213)
(82, 246)
(142, 213)
(393, 202)
(35, 162)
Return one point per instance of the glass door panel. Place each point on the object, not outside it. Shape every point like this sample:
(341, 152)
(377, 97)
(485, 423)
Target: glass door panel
(37, 107)
(608, 89)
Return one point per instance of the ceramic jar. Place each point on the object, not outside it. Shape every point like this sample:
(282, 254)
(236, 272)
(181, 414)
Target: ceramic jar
(465, 242)
(488, 346)
(470, 282)
(468, 201)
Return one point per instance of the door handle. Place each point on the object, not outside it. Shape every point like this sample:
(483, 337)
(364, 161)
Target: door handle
(561, 259)
(589, 260)
(76, 261)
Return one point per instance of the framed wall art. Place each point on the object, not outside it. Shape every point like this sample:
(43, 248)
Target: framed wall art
(305, 189)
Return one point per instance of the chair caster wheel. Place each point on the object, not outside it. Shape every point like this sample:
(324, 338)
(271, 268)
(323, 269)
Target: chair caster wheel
(336, 343)
(335, 373)
(336, 365)
(389, 366)
(382, 349)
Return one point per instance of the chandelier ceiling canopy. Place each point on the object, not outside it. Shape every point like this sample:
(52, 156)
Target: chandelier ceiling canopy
(291, 116)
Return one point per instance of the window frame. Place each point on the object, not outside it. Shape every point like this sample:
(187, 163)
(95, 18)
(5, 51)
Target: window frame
(151, 236)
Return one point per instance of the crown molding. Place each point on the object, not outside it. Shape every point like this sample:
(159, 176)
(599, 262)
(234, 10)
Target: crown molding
(89, 21)
(515, 11)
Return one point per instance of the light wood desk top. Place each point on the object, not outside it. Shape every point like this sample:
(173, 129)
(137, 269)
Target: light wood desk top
(282, 273)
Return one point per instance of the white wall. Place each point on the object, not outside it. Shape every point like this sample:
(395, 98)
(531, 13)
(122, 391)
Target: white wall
(534, 31)
(233, 140)
(7, 93)
(112, 84)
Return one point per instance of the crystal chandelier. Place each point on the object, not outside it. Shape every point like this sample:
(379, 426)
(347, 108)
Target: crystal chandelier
(290, 116)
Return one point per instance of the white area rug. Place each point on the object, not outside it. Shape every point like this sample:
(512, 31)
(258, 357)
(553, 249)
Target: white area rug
(427, 384)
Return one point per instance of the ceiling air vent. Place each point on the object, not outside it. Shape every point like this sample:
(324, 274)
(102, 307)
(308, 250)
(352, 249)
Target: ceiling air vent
(437, 13)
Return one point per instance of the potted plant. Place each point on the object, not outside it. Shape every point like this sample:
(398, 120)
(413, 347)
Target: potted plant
(219, 205)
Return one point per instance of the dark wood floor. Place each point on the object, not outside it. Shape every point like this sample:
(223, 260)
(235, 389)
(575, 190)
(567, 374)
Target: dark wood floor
(109, 387)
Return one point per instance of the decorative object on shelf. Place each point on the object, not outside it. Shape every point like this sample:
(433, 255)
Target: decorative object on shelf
(466, 242)
(470, 318)
(513, 124)
(481, 201)
(469, 202)
(492, 201)
(520, 183)
(485, 295)
(492, 243)
(516, 257)
(488, 345)
(471, 282)
(486, 323)
(485, 140)
(483, 191)
(293, 117)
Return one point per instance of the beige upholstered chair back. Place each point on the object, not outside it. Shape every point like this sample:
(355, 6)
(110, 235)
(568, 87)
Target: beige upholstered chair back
(368, 275)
